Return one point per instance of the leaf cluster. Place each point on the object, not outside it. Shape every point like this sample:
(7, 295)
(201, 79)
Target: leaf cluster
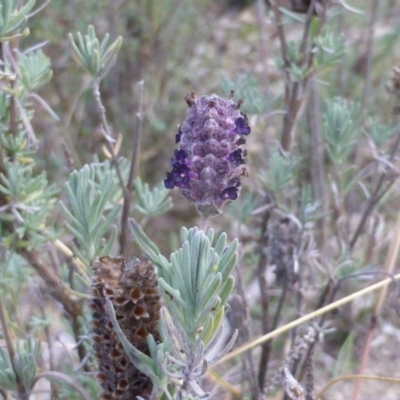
(25, 365)
(30, 199)
(281, 172)
(152, 202)
(88, 201)
(341, 129)
(94, 56)
(197, 282)
(195, 285)
(35, 69)
(12, 18)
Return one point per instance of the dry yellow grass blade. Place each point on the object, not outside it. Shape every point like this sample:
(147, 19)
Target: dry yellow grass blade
(306, 318)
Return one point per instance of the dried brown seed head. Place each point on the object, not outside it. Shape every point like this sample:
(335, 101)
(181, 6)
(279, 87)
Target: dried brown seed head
(132, 287)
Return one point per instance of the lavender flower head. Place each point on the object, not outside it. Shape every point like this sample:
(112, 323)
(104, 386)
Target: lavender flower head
(209, 162)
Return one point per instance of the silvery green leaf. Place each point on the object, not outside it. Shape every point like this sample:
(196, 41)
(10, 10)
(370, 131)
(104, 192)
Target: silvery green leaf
(330, 49)
(170, 291)
(7, 375)
(180, 278)
(227, 288)
(170, 333)
(110, 242)
(221, 243)
(35, 68)
(205, 321)
(200, 276)
(214, 341)
(214, 323)
(225, 350)
(90, 218)
(152, 202)
(380, 132)
(25, 366)
(184, 234)
(31, 197)
(141, 361)
(281, 172)
(341, 128)
(208, 292)
(256, 100)
(295, 16)
(12, 19)
(207, 276)
(210, 235)
(228, 260)
(93, 56)
(147, 246)
(25, 361)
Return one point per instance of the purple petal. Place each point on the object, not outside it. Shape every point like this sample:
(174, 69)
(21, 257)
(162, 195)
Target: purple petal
(170, 181)
(179, 156)
(242, 125)
(230, 193)
(178, 135)
(236, 157)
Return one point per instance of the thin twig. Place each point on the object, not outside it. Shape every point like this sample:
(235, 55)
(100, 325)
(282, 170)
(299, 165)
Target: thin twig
(248, 361)
(40, 8)
(56, 287)
(134, 169)
(332, 294)
(244, 323)
(390, 265)
(45, 105)
(317, 156)
(107, 131)
(295, 102)
(3, 393)
(369, 53)
(203, 224)
(137, 139)
(375, 196)
(281, 302)
(263, 40)
(340, 82)
(262, 280)
(30, 133)
(297, 92)
(306, 31)
(283, 43)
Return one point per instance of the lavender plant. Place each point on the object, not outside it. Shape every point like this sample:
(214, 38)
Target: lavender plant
(196, 283)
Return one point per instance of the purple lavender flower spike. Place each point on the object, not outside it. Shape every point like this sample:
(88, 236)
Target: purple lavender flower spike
(209, 163)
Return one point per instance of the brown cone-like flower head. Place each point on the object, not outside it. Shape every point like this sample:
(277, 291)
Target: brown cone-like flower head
(132, 288)
(209, 163)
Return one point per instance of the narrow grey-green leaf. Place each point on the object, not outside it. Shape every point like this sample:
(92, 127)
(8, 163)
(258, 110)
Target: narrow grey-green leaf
(141, 361)
(148, 247)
